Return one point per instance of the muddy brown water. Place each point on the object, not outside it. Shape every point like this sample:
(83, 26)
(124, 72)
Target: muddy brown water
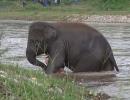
(13, 40)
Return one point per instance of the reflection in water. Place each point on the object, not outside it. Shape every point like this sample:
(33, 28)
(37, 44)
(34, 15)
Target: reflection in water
(13, 39)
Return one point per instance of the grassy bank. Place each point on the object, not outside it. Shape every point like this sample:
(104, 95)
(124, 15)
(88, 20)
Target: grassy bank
(26, 84)
(35, 11)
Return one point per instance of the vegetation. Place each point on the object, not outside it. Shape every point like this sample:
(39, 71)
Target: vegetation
(117, 5)
(35, 11)
(26, 84)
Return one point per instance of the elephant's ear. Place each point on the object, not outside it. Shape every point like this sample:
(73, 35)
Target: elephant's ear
(51, 33)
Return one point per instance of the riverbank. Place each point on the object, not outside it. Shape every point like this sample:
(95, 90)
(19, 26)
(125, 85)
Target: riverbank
(84, 18)
(84, 11)
(23, 84)
(99, 18)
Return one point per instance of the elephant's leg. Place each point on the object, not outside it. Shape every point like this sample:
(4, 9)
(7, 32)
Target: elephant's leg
(56, 59)
(61, 70)
(55, 64)
(87, 63)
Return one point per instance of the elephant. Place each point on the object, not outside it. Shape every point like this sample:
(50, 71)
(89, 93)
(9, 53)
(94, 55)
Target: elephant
(77, 46)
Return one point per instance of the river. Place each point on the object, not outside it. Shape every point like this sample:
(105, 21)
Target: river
(13, 42)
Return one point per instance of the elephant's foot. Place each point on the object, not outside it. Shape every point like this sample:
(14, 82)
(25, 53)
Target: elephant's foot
(61, 71)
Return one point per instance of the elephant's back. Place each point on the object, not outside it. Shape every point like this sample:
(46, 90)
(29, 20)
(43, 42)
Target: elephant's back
(75, 28)
(79, 33)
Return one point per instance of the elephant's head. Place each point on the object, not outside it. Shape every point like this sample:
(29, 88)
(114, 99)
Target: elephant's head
(40, 35)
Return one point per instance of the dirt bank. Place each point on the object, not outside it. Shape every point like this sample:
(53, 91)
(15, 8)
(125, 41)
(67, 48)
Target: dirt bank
(98, 18)
(75, 18)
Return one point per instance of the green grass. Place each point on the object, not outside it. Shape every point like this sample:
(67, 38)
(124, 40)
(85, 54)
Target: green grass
(14, 9)
(26, 84)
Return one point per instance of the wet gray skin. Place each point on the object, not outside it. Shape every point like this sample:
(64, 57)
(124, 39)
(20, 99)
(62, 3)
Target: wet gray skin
(13, 41)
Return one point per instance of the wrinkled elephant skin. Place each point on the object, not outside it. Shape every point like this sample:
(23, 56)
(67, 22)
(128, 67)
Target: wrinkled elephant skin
(77, 46)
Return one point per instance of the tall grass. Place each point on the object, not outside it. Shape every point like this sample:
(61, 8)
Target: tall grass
(26, 84)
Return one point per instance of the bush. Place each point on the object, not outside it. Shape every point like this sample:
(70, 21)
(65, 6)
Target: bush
(114, 4)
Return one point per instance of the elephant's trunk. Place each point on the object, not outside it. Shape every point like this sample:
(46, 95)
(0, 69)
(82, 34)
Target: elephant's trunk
(31, 57)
